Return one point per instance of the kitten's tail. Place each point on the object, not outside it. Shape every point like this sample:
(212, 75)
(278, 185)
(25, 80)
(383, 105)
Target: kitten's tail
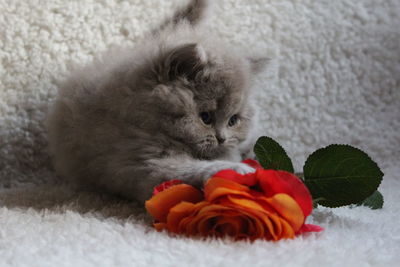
(192, 13)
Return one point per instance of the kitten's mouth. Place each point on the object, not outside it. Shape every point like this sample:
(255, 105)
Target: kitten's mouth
(209, 149)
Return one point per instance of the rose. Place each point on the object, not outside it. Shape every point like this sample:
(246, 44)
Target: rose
(266, 204)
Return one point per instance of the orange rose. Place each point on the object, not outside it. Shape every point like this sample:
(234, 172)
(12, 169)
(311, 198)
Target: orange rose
(266, 204)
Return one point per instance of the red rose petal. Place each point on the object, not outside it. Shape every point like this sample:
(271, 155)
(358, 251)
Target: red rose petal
(252, 163)
(309, 228)
(274, 182)
(161, 187)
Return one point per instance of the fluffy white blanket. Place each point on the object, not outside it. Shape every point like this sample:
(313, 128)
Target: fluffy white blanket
(334, 78)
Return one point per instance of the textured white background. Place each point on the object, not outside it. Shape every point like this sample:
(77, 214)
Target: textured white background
(334, 78)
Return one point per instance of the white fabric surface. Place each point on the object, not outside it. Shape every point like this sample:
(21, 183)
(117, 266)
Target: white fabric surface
(334, 78)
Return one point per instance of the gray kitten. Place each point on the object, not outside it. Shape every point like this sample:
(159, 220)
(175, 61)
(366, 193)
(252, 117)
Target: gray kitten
(177, 106)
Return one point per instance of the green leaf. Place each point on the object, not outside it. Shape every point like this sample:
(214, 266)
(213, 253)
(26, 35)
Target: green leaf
(341, 175)
(271, 155)
(374, 201)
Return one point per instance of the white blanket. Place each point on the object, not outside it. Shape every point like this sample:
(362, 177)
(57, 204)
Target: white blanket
(334, 78)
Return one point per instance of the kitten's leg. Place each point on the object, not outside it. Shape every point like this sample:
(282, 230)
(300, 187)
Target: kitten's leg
(189, 170)
(194, 171)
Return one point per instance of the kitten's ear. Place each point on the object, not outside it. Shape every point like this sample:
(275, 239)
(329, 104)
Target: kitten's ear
(184, 61)
(258, 64)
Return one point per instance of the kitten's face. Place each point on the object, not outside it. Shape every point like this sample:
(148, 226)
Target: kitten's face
(211, 127)
(222, 127)
(208, 110)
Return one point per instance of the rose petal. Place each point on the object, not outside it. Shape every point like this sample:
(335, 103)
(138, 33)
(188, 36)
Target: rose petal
(252, 163)
(277, 227)
(200, 224)
(219, 192)
(305, 228)
(246, 179)
(271, 221)
(177, 213)
(184, 225)
(209, 223)
(217, 187)
(245, 203)
(161, 187)
(159, 205)
(231, 225)
(255, 223)
(287, 230)
(274, 182)
(257, 230)
(287, 208)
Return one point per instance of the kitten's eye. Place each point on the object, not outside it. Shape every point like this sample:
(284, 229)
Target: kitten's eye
(233, 120)
(206, 117)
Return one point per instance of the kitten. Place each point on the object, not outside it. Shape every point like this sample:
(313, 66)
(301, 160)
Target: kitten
(177, 106)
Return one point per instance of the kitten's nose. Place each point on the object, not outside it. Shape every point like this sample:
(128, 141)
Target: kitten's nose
(220, 140)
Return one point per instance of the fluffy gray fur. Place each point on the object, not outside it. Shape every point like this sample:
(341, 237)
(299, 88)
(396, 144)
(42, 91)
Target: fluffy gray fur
(137, 117)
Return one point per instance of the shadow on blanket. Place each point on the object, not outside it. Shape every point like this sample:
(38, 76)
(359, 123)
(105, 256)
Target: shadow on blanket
(62, 199)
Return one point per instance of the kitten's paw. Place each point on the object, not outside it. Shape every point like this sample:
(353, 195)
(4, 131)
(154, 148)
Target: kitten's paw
(242, 168)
